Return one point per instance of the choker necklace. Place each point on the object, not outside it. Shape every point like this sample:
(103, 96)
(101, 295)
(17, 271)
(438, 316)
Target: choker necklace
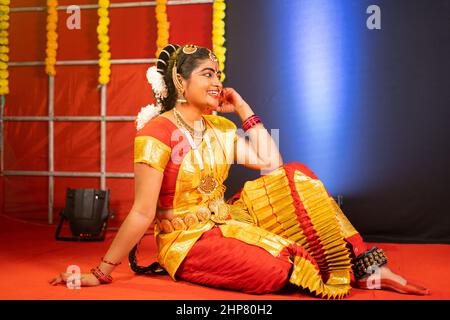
(197, 134)
(208, 183)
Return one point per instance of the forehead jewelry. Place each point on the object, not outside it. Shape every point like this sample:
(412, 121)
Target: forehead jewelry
(187, 49)
(190, 49)
(212, 56)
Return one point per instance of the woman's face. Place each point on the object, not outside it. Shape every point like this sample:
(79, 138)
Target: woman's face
(203, 88)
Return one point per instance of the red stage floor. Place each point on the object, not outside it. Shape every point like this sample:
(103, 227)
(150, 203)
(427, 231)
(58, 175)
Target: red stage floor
(29, 257)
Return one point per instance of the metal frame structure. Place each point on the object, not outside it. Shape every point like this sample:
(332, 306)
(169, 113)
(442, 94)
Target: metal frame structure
(51, 118)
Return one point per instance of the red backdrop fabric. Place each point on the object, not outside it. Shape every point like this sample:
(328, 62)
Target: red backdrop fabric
(133, 35)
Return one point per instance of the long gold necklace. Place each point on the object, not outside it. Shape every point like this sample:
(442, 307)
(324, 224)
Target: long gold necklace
(208, 183)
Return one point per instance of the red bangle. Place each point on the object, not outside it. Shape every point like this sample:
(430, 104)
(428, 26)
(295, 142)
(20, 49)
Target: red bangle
(111, 263)
(250, 122)
(103, 278)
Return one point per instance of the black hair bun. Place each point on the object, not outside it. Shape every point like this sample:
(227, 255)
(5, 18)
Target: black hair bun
(164, 56)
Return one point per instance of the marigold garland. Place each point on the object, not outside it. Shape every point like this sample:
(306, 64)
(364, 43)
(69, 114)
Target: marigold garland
(4, 46)
(103, 39)
(52, 36)
(162, 25)
(218, 34)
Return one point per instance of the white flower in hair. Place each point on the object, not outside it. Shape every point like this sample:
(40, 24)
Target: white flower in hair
(146, 114)
(156, 80)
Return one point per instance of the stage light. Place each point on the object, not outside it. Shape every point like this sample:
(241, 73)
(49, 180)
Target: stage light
(87, 211)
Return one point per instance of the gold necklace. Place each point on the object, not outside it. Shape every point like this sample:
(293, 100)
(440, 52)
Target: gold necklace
(208, 183)
(180, 121)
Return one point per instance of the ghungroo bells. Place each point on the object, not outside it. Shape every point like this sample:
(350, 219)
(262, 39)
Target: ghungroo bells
(367, 262)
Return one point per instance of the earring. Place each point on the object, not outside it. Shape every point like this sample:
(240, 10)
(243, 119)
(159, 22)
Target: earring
(177, 83)
(181, 100)
(181, 94)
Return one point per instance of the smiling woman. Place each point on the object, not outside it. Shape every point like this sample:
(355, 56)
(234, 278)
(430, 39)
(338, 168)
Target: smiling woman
(282, 228)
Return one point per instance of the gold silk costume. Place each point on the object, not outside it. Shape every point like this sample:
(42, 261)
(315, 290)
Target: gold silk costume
(286, 207)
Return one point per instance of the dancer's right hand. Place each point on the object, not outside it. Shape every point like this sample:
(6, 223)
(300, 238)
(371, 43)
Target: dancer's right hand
(86, 279)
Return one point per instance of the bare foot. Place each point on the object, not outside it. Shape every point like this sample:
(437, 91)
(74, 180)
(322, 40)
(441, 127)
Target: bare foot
(384, 278)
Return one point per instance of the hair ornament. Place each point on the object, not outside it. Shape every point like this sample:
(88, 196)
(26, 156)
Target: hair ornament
(156, 80)
(190, 49)
(168, 54)
(146, 114)
(176, 81)
(162, 61)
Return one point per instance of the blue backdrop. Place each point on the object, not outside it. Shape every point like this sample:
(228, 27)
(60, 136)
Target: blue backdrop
(368, 110)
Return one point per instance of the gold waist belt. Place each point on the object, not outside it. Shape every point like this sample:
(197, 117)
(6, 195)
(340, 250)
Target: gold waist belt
(217, 211)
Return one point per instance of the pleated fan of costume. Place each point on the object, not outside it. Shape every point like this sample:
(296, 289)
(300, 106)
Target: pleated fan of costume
(292, 203)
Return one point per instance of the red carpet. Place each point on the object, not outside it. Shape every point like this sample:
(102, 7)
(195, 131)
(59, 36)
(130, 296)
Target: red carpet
(29, 257)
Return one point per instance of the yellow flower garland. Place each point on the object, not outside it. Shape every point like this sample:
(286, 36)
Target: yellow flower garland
(162, 25)
(103, 45)
(52, 36)
(4, 48)
(218, 34)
